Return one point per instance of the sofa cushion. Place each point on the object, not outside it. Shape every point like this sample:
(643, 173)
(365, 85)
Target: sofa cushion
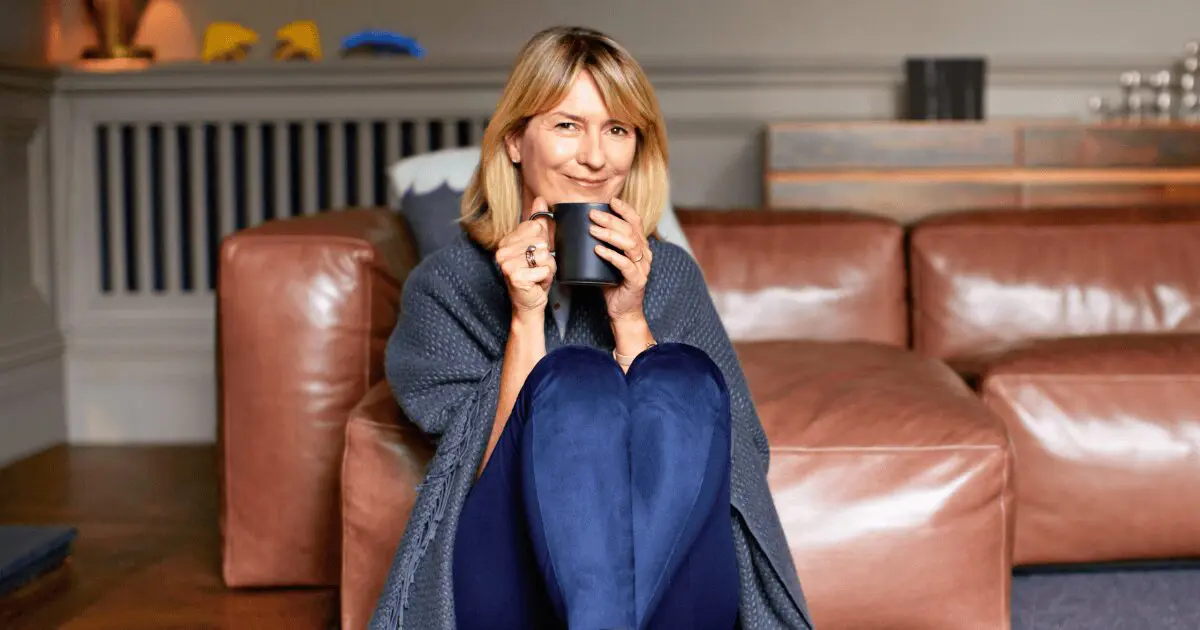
(803, 275)
(892, 481)
(1106, 434)
(430, 188)
(384, 462)
(986, 281)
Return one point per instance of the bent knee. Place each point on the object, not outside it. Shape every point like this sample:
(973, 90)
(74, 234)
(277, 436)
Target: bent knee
(580, 363)
(681, 359)
(684, 368)
(576, 370)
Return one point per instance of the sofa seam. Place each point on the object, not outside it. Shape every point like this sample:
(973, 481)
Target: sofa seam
(1006, 542)
(342, 518)
(340, 240)
(1083, 376)
(868, 449)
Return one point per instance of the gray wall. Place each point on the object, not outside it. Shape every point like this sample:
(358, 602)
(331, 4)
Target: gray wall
(31, 369)
(23, 31)
(1038, 29)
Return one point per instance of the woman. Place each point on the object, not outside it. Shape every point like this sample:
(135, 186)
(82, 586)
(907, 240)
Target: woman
(599, 462)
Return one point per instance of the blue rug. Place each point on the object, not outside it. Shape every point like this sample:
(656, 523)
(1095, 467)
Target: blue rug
(1108, 599)
(27, 552)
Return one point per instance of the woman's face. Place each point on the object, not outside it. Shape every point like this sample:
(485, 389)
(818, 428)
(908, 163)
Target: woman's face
(574, 152)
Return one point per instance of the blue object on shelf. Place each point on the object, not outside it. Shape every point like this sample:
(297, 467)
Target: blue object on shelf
(382, 42)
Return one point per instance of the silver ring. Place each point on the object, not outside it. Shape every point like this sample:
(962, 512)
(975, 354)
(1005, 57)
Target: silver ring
(639, 258)
(529, 255)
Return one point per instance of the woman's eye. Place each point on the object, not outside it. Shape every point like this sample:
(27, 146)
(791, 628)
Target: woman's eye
(570, 126)
(620, 131)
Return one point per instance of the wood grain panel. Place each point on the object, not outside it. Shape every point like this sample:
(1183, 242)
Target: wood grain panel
(906, 170)
(901, 200)
(1109, 195)
(1149, 145)
(1004, 175)
(884, 146)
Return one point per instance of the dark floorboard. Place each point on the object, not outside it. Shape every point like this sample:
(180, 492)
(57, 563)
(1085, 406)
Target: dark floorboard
(147, 555)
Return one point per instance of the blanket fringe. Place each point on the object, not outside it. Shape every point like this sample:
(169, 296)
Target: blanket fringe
(436, 482)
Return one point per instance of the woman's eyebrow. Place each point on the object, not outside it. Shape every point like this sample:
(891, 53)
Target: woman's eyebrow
(583, 119)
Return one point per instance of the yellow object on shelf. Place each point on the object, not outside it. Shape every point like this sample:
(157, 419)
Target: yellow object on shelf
(298, 40)
(227, 41)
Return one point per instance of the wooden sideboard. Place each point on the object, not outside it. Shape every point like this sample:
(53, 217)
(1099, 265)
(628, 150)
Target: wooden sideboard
(908, 170)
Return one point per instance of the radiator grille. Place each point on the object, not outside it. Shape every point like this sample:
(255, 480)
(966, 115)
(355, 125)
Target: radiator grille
(168, 192)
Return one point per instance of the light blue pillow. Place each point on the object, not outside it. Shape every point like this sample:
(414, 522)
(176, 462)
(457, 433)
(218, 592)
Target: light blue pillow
(430, 186)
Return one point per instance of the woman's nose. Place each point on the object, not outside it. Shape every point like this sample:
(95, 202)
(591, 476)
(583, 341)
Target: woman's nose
(591, 154)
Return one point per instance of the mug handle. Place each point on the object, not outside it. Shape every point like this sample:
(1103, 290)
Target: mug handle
(541, 215)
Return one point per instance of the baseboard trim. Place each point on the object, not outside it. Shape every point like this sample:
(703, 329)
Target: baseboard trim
(23, 352)
(32, 412)
(146, 395)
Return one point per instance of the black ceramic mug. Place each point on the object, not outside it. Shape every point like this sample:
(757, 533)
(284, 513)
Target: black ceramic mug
(575, 247)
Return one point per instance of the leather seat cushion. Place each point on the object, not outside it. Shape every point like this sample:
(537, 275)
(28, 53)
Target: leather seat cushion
(1106, 434)
(892, 481)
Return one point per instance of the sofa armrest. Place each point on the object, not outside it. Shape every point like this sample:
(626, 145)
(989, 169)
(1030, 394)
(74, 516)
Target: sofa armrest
(892, 482)
(385, 460)
(394, 249)
(304, 310)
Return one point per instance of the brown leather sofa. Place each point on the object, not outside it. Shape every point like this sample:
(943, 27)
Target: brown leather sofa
(893, 480)
(1082, 328)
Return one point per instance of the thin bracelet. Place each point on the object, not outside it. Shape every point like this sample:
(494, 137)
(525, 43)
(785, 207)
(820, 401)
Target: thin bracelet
(625, 361)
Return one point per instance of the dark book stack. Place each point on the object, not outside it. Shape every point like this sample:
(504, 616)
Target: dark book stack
(945, 88)
(27, 552)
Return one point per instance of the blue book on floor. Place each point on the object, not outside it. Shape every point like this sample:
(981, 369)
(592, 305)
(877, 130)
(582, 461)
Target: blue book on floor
(29, 551)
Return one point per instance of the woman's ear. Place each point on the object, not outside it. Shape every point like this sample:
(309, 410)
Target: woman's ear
(512, 145)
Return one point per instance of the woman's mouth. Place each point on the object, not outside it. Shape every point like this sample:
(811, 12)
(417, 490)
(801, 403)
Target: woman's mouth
(587, 183)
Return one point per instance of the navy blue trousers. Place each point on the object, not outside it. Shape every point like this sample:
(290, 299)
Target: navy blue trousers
(605, 503)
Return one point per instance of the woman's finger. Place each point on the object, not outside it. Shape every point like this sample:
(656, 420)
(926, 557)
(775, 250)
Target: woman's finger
(551, 268)
(514, 268)
(631, 272)
(526, 231)
(621, 241)
(612, 221)
(517, 251)
(530, 275)
(539, 227)
(541, 256)
(627, 213)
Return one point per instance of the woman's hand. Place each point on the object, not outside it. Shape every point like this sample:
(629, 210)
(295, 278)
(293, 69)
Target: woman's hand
(528, 268)
(631, 331)
(624, 231)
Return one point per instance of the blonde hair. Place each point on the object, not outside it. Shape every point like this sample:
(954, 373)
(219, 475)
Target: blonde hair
(545, 71)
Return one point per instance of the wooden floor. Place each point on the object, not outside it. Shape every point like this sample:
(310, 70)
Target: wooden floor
(147, 555)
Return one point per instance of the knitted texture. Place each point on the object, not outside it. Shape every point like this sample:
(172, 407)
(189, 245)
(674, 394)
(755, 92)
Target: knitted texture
(443, 363)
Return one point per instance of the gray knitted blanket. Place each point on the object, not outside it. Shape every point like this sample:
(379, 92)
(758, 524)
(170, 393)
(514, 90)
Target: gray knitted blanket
(443, 364)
